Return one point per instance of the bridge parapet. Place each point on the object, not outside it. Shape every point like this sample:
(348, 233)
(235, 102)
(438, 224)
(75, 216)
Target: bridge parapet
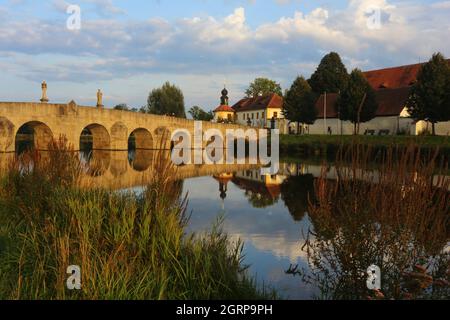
(110, 129)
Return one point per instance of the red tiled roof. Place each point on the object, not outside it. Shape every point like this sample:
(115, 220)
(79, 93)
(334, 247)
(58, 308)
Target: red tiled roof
(274, 190)
(224, 109)
(330, 108)
(391, 102)
(396, 77)
(258, 103)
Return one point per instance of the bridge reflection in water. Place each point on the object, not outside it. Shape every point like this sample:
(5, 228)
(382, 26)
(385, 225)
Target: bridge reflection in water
(116, 170)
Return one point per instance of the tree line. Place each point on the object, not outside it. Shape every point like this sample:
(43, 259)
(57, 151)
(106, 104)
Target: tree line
(356, 102)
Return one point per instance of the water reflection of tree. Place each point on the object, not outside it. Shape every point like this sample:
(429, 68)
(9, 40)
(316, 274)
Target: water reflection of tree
(260, 200)
(296, 192)
(400, 223)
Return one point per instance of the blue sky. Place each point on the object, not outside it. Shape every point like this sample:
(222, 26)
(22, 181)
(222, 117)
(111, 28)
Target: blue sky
(126, 48)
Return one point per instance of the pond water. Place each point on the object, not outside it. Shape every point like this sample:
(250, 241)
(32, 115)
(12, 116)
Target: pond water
(257, 214)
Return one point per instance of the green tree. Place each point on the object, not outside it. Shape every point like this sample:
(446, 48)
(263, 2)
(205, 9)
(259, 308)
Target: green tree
(167, 100)
(430, 97)
(299, 103)
(122, 106)
(331, 75)
(198, 113)
(357, 103)
(263, 87)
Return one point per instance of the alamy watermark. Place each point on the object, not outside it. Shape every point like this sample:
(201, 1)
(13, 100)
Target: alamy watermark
(73, 22)
(74, 280)
(222, 150)
(373, 15)
(374, 278)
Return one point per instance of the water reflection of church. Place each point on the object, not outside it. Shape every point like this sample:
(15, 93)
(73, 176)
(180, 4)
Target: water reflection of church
(261, 190)
(223, 179)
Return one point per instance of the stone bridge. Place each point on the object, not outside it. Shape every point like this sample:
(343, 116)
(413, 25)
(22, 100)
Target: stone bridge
(109, 129)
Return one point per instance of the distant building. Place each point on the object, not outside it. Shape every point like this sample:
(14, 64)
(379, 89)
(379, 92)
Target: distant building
(259, 111)
(392, 117)
(392, 89)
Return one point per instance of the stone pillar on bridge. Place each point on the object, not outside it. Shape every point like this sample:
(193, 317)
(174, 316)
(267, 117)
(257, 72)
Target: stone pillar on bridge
(44, 98)
(99, 99)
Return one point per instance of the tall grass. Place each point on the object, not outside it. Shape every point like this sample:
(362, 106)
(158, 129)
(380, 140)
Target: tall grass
(128, 246)
(396, 217)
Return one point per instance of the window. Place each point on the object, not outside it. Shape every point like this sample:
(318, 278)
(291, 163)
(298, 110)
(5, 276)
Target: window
(257, 115)
(275, 115)
(230, 117)
(262, 115)
(253, 116)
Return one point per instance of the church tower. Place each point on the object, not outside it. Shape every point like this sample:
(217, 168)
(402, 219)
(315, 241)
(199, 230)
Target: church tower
(224, 113)
(224, 98)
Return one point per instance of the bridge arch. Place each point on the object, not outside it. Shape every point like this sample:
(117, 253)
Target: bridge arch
(95, 137)
(141, 138)
(33, 134)
(6, 134)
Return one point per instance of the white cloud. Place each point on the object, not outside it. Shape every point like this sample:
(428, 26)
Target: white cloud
(441, 5)
(106, 7)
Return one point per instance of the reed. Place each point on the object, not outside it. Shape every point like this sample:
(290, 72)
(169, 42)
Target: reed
(129, 246)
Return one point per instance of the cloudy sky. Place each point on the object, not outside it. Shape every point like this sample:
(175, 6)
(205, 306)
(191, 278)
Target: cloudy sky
(128, 47)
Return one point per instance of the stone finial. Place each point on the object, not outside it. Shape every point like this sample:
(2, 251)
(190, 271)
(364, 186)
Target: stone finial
(44, 98)
(72, 105)
(99, 99)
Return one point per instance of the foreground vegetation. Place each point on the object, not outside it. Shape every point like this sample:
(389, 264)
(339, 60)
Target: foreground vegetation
(128, 246)
(396, 217)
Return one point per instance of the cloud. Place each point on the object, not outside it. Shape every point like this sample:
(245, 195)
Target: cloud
(106, 7)
(60, 5)
(441, 5)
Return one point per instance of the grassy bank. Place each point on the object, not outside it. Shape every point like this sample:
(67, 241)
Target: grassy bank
(128, 246)
(309, 145)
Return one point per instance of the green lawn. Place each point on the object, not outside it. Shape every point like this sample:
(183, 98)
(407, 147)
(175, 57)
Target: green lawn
(317, 140)
(320, 145)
